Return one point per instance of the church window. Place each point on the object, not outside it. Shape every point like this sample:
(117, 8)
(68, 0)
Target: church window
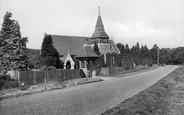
(83, 65)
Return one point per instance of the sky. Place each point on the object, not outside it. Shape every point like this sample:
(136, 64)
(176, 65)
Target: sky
(148, 22)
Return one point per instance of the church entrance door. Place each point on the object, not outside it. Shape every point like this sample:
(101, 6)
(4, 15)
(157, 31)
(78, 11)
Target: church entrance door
(68, 65)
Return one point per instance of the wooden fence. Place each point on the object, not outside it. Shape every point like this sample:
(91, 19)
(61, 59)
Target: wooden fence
(35, 77)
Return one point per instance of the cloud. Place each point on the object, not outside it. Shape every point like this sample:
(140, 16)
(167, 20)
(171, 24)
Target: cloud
(139, 32)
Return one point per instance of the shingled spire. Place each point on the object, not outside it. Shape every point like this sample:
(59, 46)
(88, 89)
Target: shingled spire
(99, 29)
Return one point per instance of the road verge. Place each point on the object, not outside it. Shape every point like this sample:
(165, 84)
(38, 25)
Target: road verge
(18, 92)
(164, 97)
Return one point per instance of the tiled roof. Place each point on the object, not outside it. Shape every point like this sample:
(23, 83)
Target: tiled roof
(99, 29)
(104, 48)
(87, 51)
(114, 48)
(71, 44)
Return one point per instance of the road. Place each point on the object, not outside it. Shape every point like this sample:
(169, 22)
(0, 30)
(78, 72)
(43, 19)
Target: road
(88, 99)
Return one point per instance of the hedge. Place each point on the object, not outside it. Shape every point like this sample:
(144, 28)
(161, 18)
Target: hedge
(121, 70)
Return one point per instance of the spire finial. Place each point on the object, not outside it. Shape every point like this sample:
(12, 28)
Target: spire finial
(99, 10)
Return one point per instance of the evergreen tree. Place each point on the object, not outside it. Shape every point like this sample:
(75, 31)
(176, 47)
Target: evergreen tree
(96, 49)
(145, 55)
(121, 48)
(127, 61)
(12, 46)
(163, 56)
(154, 54)
(49, 55)
(136, 54)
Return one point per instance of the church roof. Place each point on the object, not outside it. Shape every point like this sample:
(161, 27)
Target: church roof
(87, 51)
(114, 48)
(71, 44)
(99, 29)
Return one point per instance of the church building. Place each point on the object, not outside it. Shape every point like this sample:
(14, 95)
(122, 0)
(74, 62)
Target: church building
(81, 48)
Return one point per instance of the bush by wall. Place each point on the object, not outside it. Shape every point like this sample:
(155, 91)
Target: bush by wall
(35, 77)
(6, 82)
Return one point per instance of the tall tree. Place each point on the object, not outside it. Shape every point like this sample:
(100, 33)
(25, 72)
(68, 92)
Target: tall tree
(121, 48)
(96, 49)
(127, 61)
(49, 55)
(12, 46)
(136, 54)
(145, 55)
(154, 54)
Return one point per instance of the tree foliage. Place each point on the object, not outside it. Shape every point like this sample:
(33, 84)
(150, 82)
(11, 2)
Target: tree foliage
(12, 47)
(34, 60)
(154, 54)
(49, 55)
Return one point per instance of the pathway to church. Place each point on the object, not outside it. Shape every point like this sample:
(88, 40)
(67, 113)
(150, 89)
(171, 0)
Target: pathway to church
(88, 99)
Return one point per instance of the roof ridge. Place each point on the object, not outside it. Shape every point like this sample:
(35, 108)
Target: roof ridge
(69, 36)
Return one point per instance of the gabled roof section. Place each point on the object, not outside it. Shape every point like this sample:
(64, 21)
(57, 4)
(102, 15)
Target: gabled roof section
(66, 58)
(71, 44)
(114, 48)
(87, 51)
(99, 29)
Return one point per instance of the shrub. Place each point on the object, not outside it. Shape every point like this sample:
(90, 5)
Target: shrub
(6, 82)
(43, 68)
(51, 68)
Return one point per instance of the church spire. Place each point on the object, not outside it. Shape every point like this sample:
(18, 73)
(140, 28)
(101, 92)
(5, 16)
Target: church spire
(99, 28)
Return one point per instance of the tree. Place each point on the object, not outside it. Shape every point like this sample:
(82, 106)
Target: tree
(49, 55)
(121, 48)
(164, 56)
(12, 46)
(34, 58)
(176, 56)
(135, 52)
(96, 49)
(145, 56)
(127, 61)
(154, 54)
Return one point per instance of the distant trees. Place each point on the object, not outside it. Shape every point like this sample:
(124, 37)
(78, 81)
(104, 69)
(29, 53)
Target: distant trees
(176, 56)
(135, 51)
(34, 60)
(154, 54)
(134, 56)
(143, 56)
(12, 47)
(49, 55)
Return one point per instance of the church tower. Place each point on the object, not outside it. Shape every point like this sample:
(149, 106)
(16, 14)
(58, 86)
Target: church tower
(100, 36)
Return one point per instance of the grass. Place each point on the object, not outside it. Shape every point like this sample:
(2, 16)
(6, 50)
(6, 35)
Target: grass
(166, 97)
(16, 92)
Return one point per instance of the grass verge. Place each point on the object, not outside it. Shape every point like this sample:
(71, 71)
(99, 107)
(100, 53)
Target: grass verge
(166, 97)
(17, 92)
